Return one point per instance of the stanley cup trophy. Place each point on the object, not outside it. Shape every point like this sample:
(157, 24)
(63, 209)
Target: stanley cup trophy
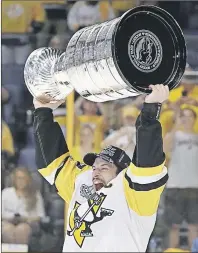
(112, 60)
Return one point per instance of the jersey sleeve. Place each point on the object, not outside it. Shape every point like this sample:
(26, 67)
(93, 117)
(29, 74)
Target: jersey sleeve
(145, 179)
(52, 154)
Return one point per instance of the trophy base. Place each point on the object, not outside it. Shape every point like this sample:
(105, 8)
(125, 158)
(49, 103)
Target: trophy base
(153, 47)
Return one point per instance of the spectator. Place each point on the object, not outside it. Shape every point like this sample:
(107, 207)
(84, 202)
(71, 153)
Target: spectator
(130, 114)
(121, 6)
(184, 96)
(7, 140)
(167, 120)
(90, 114)
(124, 138)
(195, 245)
(56, 22)
(7, 153)
(86, 13)
(97, 123)
(5, 97)
(86, 143)
(20, 19)
(181, 201)
(22, 206)
(186, 93)
(86, 107)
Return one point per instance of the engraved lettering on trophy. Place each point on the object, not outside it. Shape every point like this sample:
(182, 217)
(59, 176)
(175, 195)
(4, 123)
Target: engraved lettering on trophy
(101, 43)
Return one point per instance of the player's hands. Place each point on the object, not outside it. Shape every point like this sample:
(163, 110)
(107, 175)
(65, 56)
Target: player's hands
(44, 102)
(159, 94)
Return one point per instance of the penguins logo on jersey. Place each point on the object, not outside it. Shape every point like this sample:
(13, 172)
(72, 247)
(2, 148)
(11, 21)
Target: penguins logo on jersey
(83, 216)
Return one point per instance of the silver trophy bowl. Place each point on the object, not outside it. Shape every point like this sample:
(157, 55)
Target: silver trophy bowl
(112, 60)
(44, 76)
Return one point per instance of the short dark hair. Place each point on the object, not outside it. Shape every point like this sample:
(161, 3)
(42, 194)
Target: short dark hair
(119, 169)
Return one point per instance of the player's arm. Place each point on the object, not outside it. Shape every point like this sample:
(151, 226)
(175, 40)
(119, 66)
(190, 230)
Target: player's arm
(146, 177)
(52, 154)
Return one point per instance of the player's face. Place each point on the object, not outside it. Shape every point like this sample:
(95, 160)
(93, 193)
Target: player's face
(103, 173)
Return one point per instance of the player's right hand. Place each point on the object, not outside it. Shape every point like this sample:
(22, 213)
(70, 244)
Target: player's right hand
(44, 102)
(159, 94)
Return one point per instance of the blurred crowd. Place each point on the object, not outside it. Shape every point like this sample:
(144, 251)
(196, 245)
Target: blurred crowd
(32, 212)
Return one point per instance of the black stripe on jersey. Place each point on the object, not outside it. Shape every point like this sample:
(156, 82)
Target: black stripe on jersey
(60, 167)
(80, 165)
(146, 187)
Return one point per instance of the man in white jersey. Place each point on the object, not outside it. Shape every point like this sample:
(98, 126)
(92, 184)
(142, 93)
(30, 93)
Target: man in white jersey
(112, 199)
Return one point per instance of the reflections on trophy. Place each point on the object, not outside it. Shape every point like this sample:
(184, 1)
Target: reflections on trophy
(44, 76)
(112, 60)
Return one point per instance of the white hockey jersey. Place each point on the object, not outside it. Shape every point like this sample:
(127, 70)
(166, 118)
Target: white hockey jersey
(118, 218)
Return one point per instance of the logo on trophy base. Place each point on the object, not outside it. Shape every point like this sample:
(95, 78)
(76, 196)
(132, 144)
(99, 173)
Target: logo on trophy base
(145, 51)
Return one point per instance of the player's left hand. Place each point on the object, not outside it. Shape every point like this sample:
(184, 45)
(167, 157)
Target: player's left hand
(159, 94)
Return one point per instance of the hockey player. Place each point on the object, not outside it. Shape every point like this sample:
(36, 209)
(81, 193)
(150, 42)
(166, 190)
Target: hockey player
(112, 199)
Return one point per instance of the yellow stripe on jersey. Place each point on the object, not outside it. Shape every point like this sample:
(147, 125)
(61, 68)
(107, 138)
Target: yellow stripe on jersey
(138, 171)
(144, 198)
(53, 166)
(63, 172)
